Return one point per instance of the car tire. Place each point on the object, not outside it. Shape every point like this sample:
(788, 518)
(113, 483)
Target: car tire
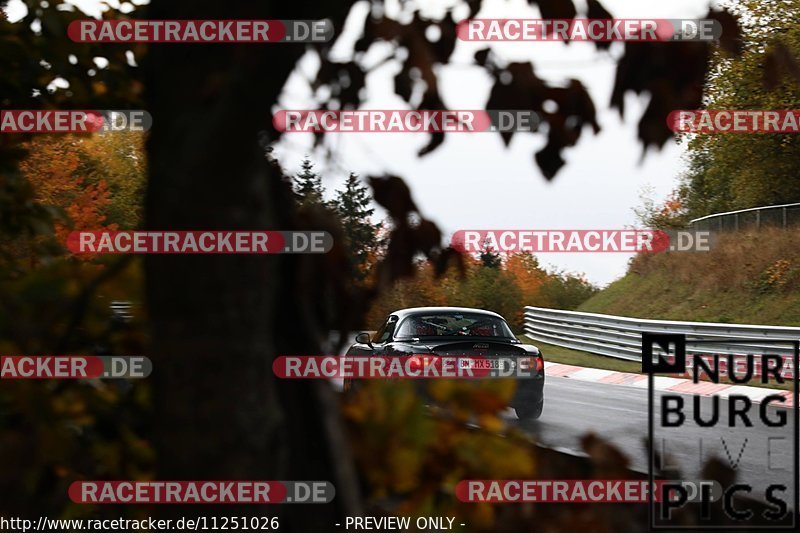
(529, 412)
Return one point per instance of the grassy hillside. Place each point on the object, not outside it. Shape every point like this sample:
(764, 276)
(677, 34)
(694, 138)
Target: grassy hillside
(748, 278)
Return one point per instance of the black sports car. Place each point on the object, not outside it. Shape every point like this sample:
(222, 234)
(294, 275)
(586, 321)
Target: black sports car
(457, 331)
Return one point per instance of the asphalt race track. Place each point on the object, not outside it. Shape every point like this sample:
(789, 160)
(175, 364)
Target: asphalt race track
(619, 414)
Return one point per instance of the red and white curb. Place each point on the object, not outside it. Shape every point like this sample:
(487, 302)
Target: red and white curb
(663, 383)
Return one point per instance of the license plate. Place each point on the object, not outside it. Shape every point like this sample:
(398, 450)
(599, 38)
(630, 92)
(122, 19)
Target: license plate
(484, 364)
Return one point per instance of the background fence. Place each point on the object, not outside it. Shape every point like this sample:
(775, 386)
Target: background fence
(621, 337)
(781, 216)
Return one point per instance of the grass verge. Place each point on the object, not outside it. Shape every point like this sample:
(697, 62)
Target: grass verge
(557, 354)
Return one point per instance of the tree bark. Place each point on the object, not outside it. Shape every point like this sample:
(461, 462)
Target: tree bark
(219, 411)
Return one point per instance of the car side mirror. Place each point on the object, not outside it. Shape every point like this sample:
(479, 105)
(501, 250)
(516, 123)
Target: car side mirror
(364, 338)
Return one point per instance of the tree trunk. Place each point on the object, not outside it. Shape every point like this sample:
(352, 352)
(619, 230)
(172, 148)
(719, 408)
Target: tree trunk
(219, 411)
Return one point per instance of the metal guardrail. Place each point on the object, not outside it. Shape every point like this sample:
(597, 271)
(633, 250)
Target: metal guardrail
(121, 310)
(780, 216)
(621, 337)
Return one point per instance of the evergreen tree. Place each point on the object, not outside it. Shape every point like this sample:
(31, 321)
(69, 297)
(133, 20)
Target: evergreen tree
(308, 187)
(353, 205)
(490, 258)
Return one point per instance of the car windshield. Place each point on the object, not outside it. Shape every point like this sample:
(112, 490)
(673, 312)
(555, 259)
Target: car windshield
(450, 324)
(386, 330)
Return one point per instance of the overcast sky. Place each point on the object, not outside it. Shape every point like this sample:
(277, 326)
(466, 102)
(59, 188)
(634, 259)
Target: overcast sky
(472, 181)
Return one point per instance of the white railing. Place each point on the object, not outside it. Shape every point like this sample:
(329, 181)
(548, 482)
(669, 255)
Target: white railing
(781, 216)
(621, 337)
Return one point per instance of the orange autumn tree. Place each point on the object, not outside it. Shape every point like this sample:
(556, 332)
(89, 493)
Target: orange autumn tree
(57, 169)
(523, 268)
(516, 281)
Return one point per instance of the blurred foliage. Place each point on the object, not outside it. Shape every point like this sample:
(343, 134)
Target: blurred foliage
(54, 432)
(43, 68)
(411, 457)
